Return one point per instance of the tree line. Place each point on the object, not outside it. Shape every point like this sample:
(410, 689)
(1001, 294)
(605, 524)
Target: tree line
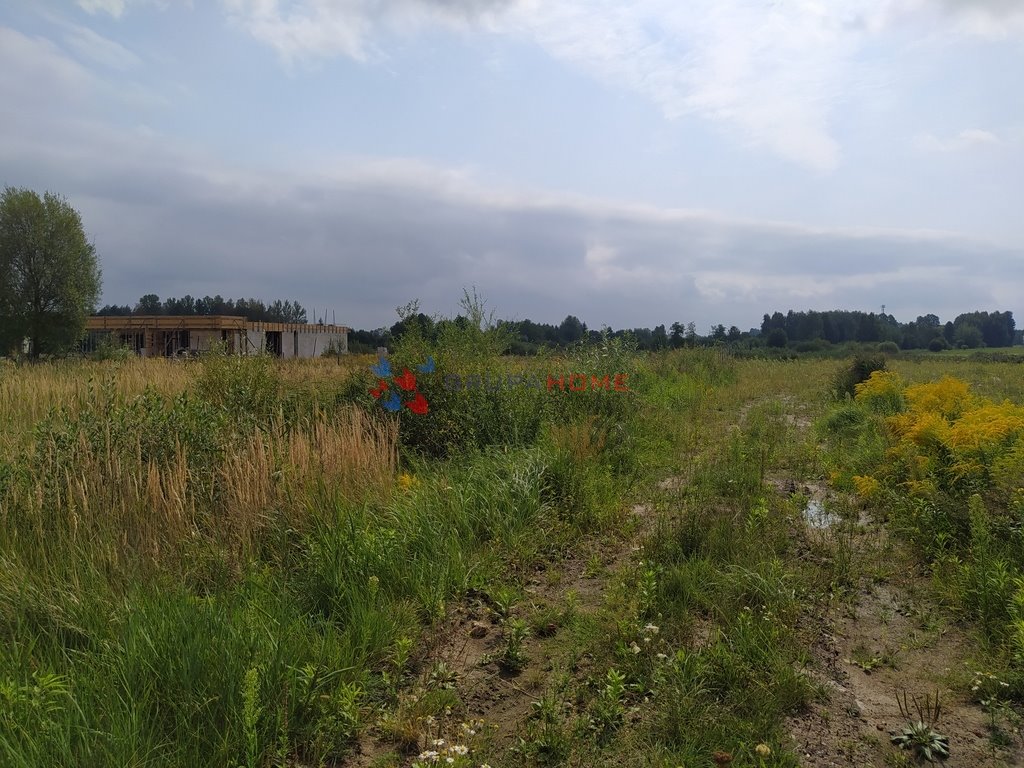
(969, 330)
(805, 331)
(255, 310)
(530, 336)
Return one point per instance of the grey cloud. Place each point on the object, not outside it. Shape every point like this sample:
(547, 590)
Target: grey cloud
(364, 247)
(994, 7)
(366, 237)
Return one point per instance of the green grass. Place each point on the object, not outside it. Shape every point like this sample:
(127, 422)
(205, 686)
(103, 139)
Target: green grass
(236, 567)
(227, 574)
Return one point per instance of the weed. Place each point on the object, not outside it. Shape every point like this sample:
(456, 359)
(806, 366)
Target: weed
(503, 601)
(512, 658)
(251, 713)
(919, 736)
(608, 708)
(442, 676)
(845, 381)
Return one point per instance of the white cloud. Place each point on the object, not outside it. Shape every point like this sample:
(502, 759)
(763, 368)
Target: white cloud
(36, 76)
(966, 139)
(770, 74)
(993, 19)
(311, 29)
(113, 7)
(99, 49)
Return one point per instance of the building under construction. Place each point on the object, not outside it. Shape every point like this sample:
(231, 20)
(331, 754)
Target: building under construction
(181, 335)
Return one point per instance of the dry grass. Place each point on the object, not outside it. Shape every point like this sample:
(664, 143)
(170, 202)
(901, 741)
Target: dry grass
(273, 473)
(28, 392)
(130, 507)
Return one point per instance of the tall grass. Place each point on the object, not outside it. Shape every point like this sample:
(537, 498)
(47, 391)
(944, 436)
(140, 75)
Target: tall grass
(211, 563)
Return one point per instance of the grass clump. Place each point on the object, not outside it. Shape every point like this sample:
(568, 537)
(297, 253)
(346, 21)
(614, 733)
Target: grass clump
(858, 370)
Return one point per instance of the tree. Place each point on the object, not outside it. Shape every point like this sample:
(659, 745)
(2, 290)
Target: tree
(691, 334)
(867, 328)
(777, 338)
(678, 332)
(49, 273)
(659, 337)
(968, 336)
(149, 304)
(571, 330)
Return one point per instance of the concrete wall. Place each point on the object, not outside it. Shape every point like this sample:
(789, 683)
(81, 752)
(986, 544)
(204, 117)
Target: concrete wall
(293, 343)
(202, 341)
(312, 344)
(315, 344)
(256, 344)
(340, 342)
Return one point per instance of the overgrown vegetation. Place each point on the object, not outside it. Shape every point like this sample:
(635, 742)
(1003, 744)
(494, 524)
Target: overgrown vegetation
(230, 572)
(249, 562)
(947, 463)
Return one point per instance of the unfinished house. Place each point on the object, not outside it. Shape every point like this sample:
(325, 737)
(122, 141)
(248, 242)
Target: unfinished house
(174, 335)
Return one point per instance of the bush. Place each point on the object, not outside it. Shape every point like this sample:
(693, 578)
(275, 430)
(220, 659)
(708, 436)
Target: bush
(881, 393)
(845, 381)
(938, 344)
(471, 399)
(108, 350)
(889, 348)
(246, 389)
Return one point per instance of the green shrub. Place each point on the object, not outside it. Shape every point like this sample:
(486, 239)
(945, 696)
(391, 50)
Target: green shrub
(859, 369)
(245, 388)
(106, 349)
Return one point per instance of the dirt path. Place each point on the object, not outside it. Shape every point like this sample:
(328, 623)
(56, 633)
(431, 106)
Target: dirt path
(880, 643)
(469, 645)
(884, 635)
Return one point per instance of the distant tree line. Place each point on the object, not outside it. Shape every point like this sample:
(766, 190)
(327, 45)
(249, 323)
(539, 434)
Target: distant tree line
(805, 331)
(969, 330)
(252, 309)
(530, 336)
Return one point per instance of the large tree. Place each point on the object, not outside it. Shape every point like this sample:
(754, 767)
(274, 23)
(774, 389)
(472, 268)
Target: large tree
(49, 274)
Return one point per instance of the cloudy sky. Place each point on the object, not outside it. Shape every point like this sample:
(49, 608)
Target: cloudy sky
(632, 163)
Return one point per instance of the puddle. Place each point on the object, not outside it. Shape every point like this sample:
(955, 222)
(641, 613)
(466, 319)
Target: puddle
(817, 516)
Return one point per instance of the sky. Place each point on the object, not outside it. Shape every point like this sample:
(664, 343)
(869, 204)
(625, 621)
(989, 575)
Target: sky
(630, 163)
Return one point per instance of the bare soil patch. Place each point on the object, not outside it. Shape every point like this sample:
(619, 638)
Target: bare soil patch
(887, 638)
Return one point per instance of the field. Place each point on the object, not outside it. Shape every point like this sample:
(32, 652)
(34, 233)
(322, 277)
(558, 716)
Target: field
(705, 561)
